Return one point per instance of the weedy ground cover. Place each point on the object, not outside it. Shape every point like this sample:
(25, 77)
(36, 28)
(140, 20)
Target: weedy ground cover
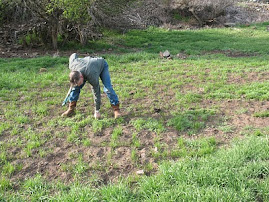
(180, 117)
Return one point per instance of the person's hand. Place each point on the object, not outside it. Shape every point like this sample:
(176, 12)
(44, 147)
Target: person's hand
(97, 114)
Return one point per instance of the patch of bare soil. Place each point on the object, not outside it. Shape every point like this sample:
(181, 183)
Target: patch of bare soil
(17, 51)
(248, 78)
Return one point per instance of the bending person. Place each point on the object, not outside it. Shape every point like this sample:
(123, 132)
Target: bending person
(90, 69)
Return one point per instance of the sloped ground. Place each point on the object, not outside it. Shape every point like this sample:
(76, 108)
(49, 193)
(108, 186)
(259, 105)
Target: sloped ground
(102, 151)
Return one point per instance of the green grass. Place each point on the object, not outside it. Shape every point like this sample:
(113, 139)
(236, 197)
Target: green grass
(174, 110)
(262, 114)
(239, 173)
(191, 121)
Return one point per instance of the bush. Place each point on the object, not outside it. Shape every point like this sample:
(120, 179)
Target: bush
(204, 11)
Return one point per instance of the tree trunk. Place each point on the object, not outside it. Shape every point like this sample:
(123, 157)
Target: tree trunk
(82, 35)
(54, 35)
(196, 17)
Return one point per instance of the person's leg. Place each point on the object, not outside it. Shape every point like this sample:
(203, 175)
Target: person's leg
(108, 89)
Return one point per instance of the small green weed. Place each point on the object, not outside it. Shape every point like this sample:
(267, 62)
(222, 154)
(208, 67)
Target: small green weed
(150, 124)
(80, 166)
(98, 125)
(41, 110)
(86, 142)
(3, 127)
(21, 119)
(5, 184)
(134, 156)
(35, 188)
(8, 169)
(226, 128)
(135, 140)
(138, 124)
(261, 114)
(3, 156)
(199, 147)
(115, 137)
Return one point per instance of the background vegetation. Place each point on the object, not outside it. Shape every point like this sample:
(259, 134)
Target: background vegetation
(53, 23)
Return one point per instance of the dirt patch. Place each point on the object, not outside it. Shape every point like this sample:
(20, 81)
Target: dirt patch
(21, 52)
(248, 77)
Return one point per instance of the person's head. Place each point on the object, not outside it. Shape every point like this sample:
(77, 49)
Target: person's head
(76, 78)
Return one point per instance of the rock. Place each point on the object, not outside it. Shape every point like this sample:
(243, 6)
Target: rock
(166, 53)
(182, 55)
(43, 70)
(143, 154)
(161, 55)
(229, 24)
(140, 172)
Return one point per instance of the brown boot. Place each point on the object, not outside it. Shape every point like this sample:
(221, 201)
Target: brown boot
(116, 109)
(71, 109)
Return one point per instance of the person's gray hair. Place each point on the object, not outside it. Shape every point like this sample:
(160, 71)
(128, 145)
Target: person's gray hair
(74, 77)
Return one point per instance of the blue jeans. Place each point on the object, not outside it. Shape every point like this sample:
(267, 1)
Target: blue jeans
(108, 89)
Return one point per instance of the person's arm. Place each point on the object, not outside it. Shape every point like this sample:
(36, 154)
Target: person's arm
(67, 96)
(97, 96)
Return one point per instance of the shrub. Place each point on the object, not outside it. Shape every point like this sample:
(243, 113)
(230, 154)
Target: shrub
(204, 11)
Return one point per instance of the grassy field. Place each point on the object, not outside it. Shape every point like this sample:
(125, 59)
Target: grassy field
(194, 128)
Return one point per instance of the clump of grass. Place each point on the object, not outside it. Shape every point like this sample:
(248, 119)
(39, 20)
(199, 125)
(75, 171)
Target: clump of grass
(134, 156)
(22, 119)
(115, 137)
(5, 184)
(191, 121)
(3, 156)
(86, 142)
(226, 128)
(189, 97)
(135, 140)
(74, 137)
(80, 167)
(261, 114)
(150, 124)
(138, 124)
(41, 110)
(8, 169)
(239, 173)
(36, 188)
(99, 125)
(3, 127)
